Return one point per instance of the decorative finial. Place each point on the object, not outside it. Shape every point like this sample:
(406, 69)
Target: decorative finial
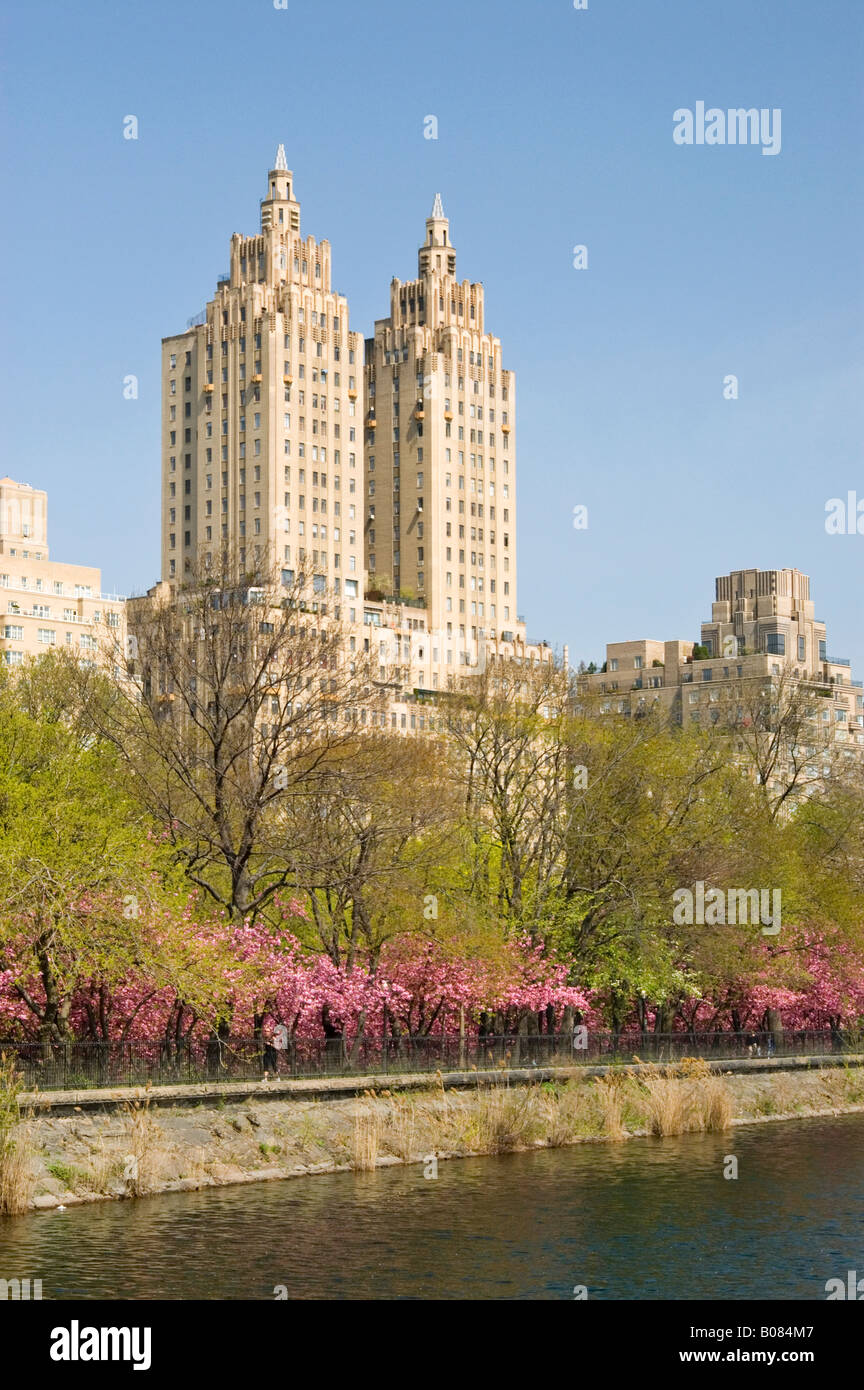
(438, 206)
(281, 161)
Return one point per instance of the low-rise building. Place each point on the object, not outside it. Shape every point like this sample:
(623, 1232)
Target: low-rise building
(48, 603)
(762, 631)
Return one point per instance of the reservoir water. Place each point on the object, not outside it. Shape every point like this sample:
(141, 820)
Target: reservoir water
(644, 1219)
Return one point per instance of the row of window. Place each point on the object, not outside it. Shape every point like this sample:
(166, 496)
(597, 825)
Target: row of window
(257, 340)
(22, 581)
(48, 637)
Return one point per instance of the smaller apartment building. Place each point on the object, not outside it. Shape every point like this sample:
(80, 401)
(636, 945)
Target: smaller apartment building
(46, 603)
(762, 628)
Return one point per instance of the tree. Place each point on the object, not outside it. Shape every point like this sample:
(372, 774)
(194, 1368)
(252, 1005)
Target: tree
(781, 735)
(381, 820)
(246, 693)
(506, 726)
(78, 877)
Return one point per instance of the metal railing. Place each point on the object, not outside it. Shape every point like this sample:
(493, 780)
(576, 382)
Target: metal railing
(83, 1065)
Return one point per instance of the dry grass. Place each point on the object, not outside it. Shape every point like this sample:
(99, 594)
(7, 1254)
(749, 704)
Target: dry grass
(503, 1120)
(141, 1162)
(666, 1104)
(104, 1168)
(365, 1140)
(497, 1120)
(402, 1129)
(610, 1097)
(712, 1105)
(16, 1152)
(684, 1098)
(663, 1101)
(17, 1177)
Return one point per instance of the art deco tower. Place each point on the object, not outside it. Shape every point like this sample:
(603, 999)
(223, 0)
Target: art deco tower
(262, 413)
(440, 513)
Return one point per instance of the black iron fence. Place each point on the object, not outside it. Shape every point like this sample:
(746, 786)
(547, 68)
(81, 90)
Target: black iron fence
(80, 1065)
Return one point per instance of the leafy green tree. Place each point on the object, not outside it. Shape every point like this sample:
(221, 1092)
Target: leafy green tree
(78, 879)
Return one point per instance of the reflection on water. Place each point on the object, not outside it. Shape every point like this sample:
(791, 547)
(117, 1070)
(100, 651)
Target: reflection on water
(647, 1219)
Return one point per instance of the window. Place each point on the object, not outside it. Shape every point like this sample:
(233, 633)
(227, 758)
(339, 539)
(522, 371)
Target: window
(775, 643)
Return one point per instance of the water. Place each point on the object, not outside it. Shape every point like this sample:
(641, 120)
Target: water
(646, 1219)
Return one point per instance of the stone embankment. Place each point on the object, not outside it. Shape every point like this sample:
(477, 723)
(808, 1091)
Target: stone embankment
(89, 1146)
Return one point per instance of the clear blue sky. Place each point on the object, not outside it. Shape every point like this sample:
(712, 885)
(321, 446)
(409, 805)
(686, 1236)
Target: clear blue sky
(555, 129)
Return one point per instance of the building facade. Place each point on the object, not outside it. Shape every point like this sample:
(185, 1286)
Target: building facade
(262, 440)
(440, 449)
(440, 524)
(46, 603)
(762, 629)
(392, 489)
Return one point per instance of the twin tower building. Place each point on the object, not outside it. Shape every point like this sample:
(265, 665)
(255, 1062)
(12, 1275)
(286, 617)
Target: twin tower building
(383, 471)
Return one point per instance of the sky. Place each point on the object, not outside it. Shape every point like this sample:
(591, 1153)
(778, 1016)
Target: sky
(554, 130)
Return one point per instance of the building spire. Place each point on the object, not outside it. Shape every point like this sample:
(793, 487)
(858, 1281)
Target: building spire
(281, 161)
(442, 257)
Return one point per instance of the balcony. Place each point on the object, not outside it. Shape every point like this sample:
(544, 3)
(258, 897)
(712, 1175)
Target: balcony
(39, 595)
(838, 661)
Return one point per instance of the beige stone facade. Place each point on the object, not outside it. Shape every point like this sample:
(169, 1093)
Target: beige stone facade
(46, 603)
(440, 522)
(262, 440)
(398, 479)
(762, 628)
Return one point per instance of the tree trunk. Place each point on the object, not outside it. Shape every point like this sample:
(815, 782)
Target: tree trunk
(774, 1025)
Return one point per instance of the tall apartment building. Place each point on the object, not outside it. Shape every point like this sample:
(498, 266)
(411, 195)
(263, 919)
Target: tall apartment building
(440, 515)
(263, 434)
(47, 603)
(262, 438)
(762, 627)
